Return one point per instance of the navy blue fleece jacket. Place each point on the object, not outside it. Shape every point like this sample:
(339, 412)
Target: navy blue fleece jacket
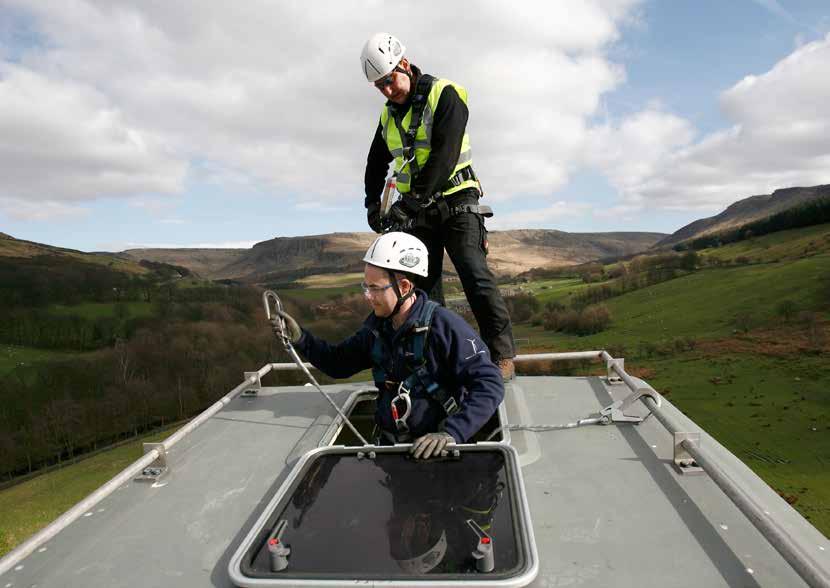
(456, 356)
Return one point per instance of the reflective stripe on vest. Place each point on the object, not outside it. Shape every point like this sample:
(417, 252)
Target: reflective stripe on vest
(423, 139)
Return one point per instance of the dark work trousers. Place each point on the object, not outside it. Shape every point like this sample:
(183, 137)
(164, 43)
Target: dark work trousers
(464, 237)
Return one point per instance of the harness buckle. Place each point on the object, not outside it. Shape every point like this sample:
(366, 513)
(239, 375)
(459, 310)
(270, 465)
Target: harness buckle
(451, 406)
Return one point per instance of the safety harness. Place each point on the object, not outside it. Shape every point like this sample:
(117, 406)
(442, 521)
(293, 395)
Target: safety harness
(416, 343)
(441, 208)
(419, 104)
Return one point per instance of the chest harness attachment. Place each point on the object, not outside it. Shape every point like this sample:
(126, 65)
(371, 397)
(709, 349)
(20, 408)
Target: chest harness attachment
(419, 104)
(441, 210)
(420, 380)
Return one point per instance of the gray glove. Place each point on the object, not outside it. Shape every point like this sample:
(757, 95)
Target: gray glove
(292, 329)
(431, 445)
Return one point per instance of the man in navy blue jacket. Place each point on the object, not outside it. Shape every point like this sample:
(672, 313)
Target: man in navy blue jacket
(437, 384)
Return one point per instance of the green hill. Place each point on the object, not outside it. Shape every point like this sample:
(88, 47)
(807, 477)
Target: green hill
(718, 341)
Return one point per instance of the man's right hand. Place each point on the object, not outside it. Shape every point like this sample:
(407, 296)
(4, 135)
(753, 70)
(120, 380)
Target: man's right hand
(373, 216)
(292, 329)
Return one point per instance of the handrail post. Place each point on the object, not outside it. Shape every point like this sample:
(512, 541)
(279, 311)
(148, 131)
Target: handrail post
(16, 555)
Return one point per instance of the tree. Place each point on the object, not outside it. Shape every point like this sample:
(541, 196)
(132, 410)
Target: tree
(786, 309)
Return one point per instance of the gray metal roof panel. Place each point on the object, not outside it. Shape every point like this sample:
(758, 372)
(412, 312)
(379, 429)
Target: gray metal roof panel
(607, 507)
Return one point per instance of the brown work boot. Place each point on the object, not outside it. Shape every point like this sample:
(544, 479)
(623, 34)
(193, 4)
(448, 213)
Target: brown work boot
(508, 370)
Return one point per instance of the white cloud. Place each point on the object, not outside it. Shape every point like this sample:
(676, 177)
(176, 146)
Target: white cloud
(132, 93)
(41, 210)
(538, 217)
(780, 137)
(319, 207)
(208, 245)
(64, 141)
(775, 8)
(637, 148)
(153, 206)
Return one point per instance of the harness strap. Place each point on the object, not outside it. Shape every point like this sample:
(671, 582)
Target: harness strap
(419, 104)
(420, 375)
(481, 209)
(463, 175)
(419, 378)
(441, 211)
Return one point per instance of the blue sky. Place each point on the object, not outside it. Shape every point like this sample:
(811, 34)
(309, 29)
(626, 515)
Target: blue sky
(167, 125)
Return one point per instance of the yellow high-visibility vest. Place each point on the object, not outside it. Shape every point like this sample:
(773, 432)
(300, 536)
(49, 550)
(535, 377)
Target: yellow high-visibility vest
(392, 136)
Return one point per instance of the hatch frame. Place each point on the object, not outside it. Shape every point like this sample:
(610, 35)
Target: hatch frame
(523, 525)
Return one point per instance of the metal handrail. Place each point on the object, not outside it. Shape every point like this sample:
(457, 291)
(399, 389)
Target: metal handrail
(800, 560)
(812, 572)
(15, 556)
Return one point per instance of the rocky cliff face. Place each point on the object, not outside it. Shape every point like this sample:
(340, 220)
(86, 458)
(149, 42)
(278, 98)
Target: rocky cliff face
(291, 257)
(745, 211)
(288, 258)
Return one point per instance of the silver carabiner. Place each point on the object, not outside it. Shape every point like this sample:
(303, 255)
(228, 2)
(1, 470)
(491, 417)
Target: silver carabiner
(270, 294)
(286, 341)
(400, 420)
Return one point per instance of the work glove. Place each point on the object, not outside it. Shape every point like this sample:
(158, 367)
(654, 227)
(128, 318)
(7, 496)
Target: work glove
(292, 329)
(402, 214)
(431, 445)
(373, 216)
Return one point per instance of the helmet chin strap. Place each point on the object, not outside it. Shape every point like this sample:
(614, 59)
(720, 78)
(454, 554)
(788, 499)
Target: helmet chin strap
(410, 74)
(401, 299)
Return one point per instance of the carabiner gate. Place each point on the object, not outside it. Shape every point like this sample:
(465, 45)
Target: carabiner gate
(400, 419)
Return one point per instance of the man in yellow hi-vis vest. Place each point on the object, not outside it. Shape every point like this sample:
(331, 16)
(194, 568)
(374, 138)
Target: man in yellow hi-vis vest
(422, 128)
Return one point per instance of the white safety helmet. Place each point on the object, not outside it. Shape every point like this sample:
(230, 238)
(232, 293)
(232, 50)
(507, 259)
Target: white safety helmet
(426, 561)
(381, 54)
(399, 252)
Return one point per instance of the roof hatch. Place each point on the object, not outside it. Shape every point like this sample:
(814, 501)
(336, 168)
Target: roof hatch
(345, 514)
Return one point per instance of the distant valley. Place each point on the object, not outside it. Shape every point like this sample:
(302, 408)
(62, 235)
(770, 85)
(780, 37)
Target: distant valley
(288, 258)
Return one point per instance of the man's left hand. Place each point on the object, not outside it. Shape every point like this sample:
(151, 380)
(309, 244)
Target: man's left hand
(431, 445)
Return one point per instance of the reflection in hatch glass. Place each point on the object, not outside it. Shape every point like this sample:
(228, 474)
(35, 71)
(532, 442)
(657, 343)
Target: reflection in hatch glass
(393, 517)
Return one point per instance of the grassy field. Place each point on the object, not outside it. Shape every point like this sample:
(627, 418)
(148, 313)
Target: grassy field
(28, 507)
(318, 294)
(12, 356)
(772, 412)
(792, 244)
(331, 280)
(759, 387)
(701, 305)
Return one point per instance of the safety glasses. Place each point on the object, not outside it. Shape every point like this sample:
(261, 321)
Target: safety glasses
(385, 81)
(373, 290)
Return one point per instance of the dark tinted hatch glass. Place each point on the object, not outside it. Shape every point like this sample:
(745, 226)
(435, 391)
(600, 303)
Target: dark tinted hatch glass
(392, 517)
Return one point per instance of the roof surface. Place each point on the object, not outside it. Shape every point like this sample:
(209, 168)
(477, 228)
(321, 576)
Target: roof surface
(607, 506)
